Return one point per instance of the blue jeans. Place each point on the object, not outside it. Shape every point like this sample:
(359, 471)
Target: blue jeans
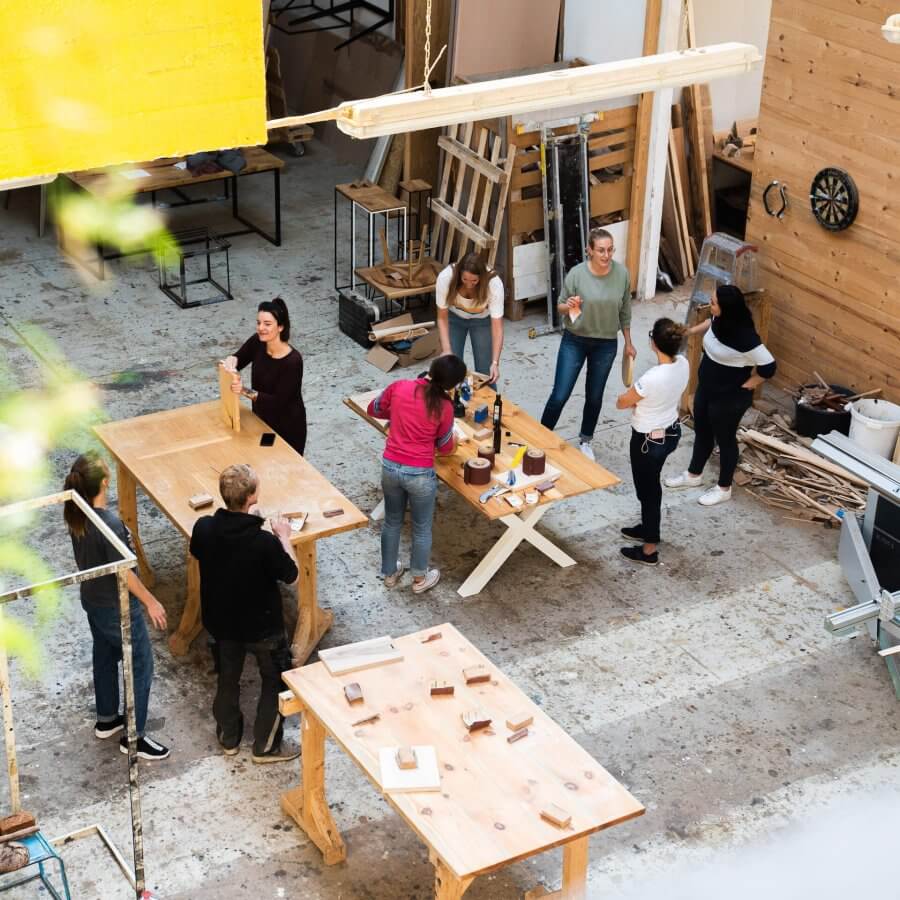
(418, 486)
(105, 629)
(479, 331)
(600, 354)
(647, 458)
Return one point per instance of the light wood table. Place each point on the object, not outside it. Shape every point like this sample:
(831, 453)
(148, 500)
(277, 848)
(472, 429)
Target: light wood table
(487, 812)
(579, 476)
(175, 454)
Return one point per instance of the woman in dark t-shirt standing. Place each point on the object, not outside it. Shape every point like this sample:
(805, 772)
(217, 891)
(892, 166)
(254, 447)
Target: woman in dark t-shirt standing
(276, 379)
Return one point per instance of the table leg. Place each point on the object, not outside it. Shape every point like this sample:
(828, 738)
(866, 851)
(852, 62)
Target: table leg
(448, 886)
(127, 493)
(521, 528)
(574, 875)
(190, 625)
(306, 804)
(312, 620)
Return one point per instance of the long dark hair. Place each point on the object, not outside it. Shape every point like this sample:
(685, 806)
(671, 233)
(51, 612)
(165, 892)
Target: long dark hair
(474, 264)
(277, 308)
(86, 477)
(735, 317)
(668, 336)
(445, 373)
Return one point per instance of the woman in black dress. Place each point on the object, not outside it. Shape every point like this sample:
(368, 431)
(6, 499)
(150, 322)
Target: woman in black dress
(276, 380)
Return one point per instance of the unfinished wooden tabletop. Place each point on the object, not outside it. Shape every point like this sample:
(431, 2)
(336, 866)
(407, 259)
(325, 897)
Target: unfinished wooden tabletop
(488, 811)
(180, 452)
(580, 475)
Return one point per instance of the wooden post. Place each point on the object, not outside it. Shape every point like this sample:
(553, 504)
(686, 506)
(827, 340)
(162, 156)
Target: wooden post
(126, 491)
(698, 137)
(575, 864)
(312, 620)
(190, 625)
(9, 734)
(641, 149)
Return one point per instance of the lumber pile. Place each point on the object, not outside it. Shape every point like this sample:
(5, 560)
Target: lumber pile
(823, 396)
(777, 468)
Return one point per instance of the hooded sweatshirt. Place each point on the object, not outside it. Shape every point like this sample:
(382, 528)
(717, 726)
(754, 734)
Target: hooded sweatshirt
(240, 565)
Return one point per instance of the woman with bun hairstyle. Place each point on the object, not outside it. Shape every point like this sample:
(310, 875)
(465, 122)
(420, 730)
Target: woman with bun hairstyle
(89, 477)
(276, 379)
(420, 413)
(734, 362)
(655, 432)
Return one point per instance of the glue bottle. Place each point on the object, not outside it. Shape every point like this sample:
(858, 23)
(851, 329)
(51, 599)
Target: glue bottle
(498, 414)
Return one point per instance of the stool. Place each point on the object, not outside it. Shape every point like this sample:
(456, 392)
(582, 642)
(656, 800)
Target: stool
(40, 851)
(418, 202)
(173, 277)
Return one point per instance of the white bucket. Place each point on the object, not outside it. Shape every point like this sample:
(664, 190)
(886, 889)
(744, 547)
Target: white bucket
(875, 424)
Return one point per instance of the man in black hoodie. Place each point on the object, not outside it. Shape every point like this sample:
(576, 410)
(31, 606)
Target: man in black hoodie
(240, 567)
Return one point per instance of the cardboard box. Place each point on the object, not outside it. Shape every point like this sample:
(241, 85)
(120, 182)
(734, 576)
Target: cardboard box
(425, 343)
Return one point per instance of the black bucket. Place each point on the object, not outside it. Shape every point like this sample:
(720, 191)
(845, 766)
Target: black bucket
(811, 421)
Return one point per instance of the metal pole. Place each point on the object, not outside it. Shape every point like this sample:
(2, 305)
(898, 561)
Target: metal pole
(9, 734)
(137, 825)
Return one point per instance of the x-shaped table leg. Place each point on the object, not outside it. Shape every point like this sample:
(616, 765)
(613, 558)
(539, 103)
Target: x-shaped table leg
(520, 528)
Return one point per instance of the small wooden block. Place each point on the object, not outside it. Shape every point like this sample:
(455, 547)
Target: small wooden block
(353, 693)
(406, 758)
(442, 689)
(434, 636)
(198, 501)
(16, 822)
(289, 704)
(517, 736)
(556, 815)
(544, 486)
(367, 721)
(476, 674)
(519, 721)
(331, 513)
(482, 433)
(476, 719)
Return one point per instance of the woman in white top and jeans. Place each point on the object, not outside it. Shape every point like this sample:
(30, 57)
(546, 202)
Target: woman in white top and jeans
(655, 432)
(469, 299)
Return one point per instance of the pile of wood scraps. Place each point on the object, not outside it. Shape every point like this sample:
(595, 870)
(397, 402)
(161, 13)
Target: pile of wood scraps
(823, 395)
(739, 142)
(782, 473)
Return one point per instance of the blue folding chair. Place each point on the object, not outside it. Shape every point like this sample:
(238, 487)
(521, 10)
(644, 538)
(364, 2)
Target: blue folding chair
(40, 852)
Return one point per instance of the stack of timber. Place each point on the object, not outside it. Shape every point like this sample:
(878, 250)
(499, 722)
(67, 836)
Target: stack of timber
(777, 468)
(822, 396)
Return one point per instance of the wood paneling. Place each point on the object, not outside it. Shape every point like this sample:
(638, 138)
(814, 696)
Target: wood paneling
(830, 98)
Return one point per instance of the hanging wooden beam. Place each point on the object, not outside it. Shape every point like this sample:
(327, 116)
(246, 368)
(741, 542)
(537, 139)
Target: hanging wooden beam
(397, 113)
(641, 149)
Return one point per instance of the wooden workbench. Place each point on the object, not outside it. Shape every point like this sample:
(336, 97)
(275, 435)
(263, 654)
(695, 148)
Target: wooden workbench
(175, 454)
(487, 812)
(579, 476)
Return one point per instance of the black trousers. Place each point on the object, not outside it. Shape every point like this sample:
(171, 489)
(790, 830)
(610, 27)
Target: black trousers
(647, 458)
(272, 657)
(716, 420)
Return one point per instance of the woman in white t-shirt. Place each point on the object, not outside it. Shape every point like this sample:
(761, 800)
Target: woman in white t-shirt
(655, 432)
(469, 300)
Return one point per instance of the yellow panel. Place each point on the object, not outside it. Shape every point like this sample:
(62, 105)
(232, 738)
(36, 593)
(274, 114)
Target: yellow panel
(99, 82)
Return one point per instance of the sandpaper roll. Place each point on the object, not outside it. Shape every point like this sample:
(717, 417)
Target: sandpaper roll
(534, 462)
(477, 471)
(487, 452)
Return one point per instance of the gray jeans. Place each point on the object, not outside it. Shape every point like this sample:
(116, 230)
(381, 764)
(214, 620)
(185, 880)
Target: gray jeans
(418, 487)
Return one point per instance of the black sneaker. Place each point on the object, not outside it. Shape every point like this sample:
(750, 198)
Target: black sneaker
(635, 533)
(636, 554)
(105, 730)
(147, 748)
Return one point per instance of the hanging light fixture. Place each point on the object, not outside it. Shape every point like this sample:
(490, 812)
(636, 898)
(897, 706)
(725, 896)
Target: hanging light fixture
(418, 110)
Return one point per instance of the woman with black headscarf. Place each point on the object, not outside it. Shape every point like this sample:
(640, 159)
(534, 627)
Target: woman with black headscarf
(276, 377)
(734, 362)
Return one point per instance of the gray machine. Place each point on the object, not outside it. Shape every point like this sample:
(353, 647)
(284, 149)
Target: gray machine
(869, 549)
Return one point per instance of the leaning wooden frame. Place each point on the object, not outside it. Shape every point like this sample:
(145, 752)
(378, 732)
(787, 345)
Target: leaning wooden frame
(120, 569)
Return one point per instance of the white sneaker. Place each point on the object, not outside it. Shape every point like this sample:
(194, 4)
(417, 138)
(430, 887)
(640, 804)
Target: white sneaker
(432, 577)
(587, 450)
(715, 495)
(684, 480)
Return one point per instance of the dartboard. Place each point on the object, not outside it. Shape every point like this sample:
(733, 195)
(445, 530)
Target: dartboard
(834, 199)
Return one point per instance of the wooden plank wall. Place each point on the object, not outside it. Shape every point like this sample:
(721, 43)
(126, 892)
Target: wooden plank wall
(831, 97)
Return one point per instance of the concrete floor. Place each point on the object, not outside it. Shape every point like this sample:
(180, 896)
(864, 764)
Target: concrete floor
(707, 686)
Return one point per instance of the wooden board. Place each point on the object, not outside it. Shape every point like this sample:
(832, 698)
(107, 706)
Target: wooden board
(487, 813)
(579, 474)
(826, 101)
(231, 402)
(359, 656)
(180, 452)
(423, 778)
(523, 481)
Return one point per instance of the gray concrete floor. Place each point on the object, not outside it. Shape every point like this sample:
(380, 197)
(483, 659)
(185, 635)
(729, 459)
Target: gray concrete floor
(707, 686)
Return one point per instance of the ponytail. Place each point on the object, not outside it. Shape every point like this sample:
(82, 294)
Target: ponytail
(445, 373)
(277, 308)
(86, 478)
